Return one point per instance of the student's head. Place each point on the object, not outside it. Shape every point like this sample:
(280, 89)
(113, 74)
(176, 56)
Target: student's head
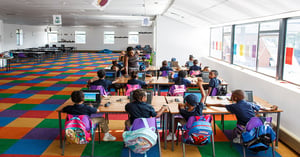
(143, 58)
(139, 95)
(213, 74)
(130, 51)
(101, 73)
(191, 57)
(237, 95)
(182, 73)
(114, 62)
(206, 68)
(195, 62)
(134, 74)
(164, 63)
(191, 100)
(77, 97)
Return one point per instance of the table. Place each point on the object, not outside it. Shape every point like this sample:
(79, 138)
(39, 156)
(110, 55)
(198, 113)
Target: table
(8, 60)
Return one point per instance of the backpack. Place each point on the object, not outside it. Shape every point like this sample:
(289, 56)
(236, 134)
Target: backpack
(100, 88)
(177, 90)
(198, 130)
(76, 129)
(221, 90)
(130, 88)
(260, 136)
(195, 72)
(140, 138)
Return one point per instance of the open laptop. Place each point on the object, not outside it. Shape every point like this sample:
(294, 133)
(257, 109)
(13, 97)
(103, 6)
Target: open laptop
(141, 76)
(174, 75)
(110, 75)
(149, 96)
(198, 93)
(205, 77)
(92, 97)
(248, 95)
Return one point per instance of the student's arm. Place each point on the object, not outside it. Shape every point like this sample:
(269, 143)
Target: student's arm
(217, 105)
(161, 111)
(126, 64)
(209, 90)
(272, 108)
(200, 81)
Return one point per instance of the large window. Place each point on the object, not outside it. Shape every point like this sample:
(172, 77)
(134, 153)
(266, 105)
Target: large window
(133, 38)
(109, 37)
(268, 48)
(80, 37)
(216, 42)
(52, 37)
(19, 35)
(291, 71)
(245, 45)
(226, 50)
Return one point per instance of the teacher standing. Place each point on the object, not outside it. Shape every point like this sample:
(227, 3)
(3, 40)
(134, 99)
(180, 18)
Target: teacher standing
(131, 60)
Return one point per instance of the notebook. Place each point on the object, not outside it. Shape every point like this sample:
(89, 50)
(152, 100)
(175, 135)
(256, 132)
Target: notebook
(205, 77)
(92, 97)
(149, 96)
(248, 95)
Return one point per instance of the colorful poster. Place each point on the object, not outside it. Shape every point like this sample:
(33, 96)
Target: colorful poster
(234, 49)
(216, 45)
(220, 46)
(241, 50)
(253, 51)
(289, 55)
(247, 51)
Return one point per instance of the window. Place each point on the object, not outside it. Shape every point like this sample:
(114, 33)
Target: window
(52, 37)
(80, 37)
(133, 38)
(109, 37)
(291, 69)
(19, 35)
(245, 45)
(216, 42)
(226, 50)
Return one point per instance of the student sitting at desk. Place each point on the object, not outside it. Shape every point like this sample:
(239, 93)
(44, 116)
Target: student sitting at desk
(195, 67)
(189, 63)
(139, 109)
(80, 109)
(181, 79)
(101, 81)
(213, 82)
(242, 109)
(165, 68)
(134, 79)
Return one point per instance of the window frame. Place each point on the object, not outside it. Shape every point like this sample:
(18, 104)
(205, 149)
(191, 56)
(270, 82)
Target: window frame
(80, 33)
(108, 33)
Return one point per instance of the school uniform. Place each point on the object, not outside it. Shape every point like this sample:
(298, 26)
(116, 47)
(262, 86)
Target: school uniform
(197, 111)
(136, 81)
(165, 68)
(243, 111)
(138, 109)
(214, 82)
(102, 82)
(182, 81)
(195, 67)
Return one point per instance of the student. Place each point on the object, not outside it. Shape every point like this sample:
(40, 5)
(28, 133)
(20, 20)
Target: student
(122, 57)
(131, 62)
(206, 69)
(139, 109)
(193, 107)
(213, 82)
(242, 109)
(80, 109)
(117, 67)
(181, 79)
(134, 79)
(189, 63)
(195, 67)
(165, 66)
(101, 80)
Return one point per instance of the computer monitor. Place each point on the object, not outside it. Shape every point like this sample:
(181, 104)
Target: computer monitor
(141, 76)
(193, 92)
(248, 95)
(149, 96)
(110, 75)
(92, 96)
(172, 75)
(205, 77)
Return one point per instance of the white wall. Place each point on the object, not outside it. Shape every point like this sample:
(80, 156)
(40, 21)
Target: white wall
(175, 39)
(285, 95)
(33, 36)
(1, 35)
(94, 37)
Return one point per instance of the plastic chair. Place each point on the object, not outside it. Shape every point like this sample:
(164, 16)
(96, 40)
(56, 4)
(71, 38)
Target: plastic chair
(214, 92)
(177, 90)
(131, 87)
(89, 127)
(189, 125)
(253, 123)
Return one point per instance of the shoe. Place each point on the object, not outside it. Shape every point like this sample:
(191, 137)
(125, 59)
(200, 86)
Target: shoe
(237, 140)
(109, 137)
(169, 137)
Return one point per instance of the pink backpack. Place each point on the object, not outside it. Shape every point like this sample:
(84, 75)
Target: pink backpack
(195, 72)
(177, 90)
(131, 87)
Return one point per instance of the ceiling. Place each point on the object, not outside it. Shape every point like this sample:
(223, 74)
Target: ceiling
(132, 12)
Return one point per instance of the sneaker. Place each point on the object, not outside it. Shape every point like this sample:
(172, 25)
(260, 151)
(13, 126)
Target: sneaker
(169, 137)
(237, 140)
(109, 137)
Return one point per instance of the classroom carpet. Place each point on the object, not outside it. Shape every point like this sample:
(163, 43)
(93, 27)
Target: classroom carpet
(31, 92)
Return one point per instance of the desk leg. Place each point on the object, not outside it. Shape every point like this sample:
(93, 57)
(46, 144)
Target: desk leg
(214, 119)
(60, 129)
(158, 90)
(165, 127)
(277, 129)
(222, 121)
(173, 130)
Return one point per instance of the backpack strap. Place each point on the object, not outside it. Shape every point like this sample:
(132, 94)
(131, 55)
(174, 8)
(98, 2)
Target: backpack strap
(145, 122)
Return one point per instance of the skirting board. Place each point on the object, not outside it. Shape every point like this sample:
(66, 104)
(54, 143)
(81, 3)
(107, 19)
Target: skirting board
(290, 141)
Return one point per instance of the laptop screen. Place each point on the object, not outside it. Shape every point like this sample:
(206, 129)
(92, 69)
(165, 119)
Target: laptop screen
(205, 77)
(110, 76)
(92, 96)
(149, 97)
(248, 95)
(193, 92)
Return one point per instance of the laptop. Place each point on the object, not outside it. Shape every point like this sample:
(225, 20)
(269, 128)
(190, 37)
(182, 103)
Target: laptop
(174, 75)
(205, 77)
(141, 76)
(110, 75)
(149, 96)
(92, 97)
(248, 95)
